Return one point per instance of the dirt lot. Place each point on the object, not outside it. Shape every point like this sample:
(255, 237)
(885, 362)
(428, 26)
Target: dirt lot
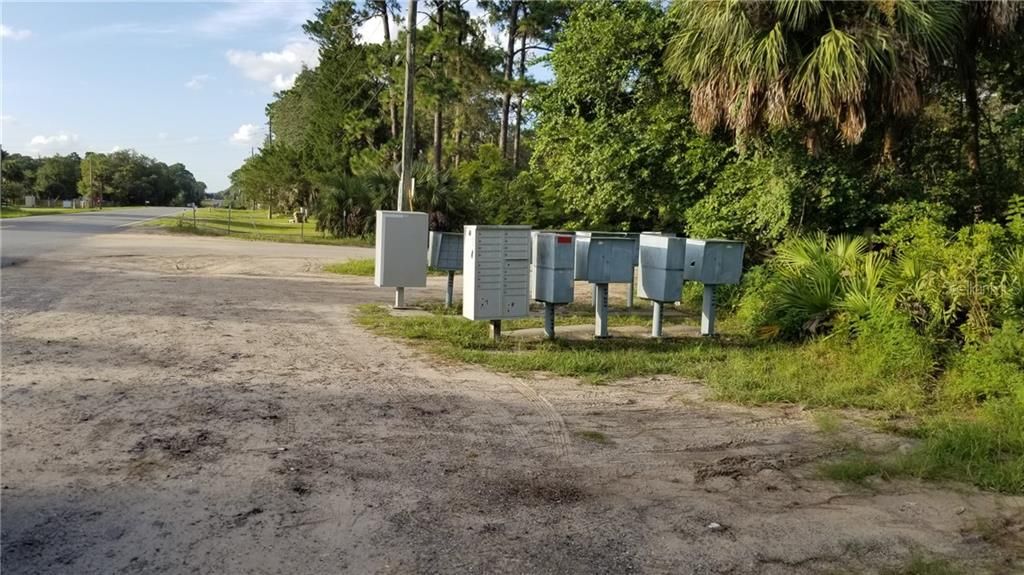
(177, 404)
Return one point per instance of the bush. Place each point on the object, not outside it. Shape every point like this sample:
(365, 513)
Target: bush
(993, 369)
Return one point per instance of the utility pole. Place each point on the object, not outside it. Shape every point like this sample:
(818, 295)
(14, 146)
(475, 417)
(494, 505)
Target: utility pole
(408, 129)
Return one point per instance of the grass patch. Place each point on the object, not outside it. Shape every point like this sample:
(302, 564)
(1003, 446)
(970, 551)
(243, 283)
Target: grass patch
(365, 267)
(16, 212)
(593, 436)
(983, 445)
(250, 225)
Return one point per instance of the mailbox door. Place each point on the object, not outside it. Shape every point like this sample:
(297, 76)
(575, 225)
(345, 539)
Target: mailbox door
(610, 260)
(694, 260)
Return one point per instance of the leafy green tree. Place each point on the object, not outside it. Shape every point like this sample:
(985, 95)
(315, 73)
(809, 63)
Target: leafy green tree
(57, 177)
(752, 65)
(613, 141)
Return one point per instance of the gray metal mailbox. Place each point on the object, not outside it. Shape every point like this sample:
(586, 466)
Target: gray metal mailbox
(445, 251)
(552, 268)
(662, 259)
(553, 257)
(605, 260)
(714, 262)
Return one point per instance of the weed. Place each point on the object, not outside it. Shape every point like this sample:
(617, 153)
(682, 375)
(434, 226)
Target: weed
(594, 436)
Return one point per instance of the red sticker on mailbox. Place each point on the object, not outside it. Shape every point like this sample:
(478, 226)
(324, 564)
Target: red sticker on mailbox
(564, 240)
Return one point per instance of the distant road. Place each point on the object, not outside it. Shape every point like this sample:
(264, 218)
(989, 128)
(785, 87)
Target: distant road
(22, 239)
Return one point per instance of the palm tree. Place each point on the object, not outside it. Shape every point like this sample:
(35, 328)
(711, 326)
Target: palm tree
(749, 65)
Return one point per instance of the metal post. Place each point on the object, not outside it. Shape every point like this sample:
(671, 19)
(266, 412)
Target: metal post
(549, 320)
(593, 296)
(449, 294)
(629, 295)
(707, 311)
(399, 298)
(408, 130)
(496, 329)
(229, 219)
(601, 311)
(193, 216)
(656, 328)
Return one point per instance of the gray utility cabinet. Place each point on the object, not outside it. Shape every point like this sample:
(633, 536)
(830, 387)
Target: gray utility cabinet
(714, 262)
(401, 240)
(662, 261)
(551, 270)
(445, 252)
(602, 259)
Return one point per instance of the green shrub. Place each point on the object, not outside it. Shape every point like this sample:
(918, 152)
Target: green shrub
(989, 370)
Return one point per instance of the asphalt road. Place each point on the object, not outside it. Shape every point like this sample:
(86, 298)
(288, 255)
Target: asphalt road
(22, 239)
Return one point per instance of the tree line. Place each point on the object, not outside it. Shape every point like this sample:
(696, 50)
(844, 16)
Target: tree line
(124, 177)
(747, 120)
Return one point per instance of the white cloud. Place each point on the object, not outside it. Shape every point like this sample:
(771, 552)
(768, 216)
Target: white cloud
(246, 134)
(278, 69)
(13, 34)
(191, 139)
(161, 136)
(248, 14)
(7, 119)
(115, 149)
(60, 141)
(197, 82)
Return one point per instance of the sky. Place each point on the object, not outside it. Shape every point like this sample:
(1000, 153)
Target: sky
(178, 81)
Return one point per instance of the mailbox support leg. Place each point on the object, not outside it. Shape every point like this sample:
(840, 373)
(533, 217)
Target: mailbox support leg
(448, 295)
(629, 295)
(549, 320)
(593, 296)
(399, 297)
(601, 311)
(496, 329)
(656, 329)
(707, 312)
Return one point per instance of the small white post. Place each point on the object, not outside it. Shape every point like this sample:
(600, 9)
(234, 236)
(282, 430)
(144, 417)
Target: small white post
(549, 320)
(399, 297)
(450, 292)
(656, 328)
(707, 311)
(601, 311)
(496, 329)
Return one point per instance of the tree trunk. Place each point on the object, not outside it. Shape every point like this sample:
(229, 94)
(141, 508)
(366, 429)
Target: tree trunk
(519, 103)
(439, 106)
(459, 112)
(506, 99)
(969, 77)
(889, 141)
(382, 5)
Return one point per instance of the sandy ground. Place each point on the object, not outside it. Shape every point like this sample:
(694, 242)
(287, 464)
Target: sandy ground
(176, 404)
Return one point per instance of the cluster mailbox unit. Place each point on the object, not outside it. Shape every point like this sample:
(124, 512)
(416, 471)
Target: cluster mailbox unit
(712, 262)
(401, 240)
(496, 274)
(551, 273)
(602, 260)
(662, 263)
(445, 253)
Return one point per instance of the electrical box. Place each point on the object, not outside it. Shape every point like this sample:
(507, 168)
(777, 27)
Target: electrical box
(401, 242)
(604, 259)
(662, 260)
(445, 251)
(496, 272)
(551, 273)
(714, 262)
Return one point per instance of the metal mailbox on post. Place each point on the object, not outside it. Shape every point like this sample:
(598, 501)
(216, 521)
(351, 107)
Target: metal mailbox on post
(551, 273)
(400, 243)
(712, 262)
(662, 261)
(496, 274)
(445, 253)
(602, 260)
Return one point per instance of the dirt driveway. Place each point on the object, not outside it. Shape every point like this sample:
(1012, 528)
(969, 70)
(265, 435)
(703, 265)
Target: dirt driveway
(178, 405)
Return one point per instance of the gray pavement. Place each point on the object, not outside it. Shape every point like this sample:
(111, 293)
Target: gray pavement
(22, 239)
